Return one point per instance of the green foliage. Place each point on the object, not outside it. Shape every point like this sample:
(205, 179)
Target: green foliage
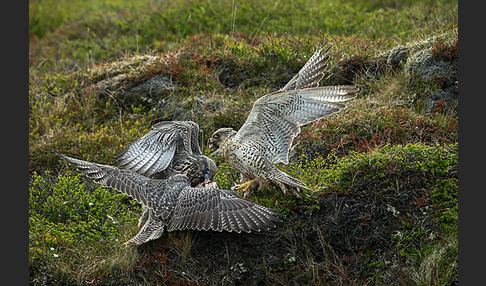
(387, 159)
(227, 176)
(444, 197)
(428, 245)
(365, 130)
(101, 30)
(427, 240)
(98, 143)
(72, 225)
(336, 172)
(65, 210)
(431, 257)
(408, 240)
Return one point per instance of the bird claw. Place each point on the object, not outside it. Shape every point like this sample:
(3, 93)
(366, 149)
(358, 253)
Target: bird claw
(296, 193)
(245, 186)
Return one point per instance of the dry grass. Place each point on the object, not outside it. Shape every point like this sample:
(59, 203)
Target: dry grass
(341, 234)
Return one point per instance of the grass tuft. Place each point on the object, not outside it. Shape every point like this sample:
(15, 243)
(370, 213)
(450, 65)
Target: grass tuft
(384, 170)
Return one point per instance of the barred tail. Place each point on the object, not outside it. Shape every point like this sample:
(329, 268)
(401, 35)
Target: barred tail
(283, 178)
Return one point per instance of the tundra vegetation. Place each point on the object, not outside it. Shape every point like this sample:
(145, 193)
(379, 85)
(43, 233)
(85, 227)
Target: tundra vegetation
(384, 170)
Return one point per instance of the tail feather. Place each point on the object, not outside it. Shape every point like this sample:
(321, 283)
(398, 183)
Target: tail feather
(283, 178)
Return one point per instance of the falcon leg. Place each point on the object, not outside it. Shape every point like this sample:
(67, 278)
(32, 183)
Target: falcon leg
(296, 193)
(245, 186)
(284, 190)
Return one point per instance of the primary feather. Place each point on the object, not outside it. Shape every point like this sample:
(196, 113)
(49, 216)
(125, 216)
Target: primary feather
(171, 147)
(312, 72)
(275, 120)
(175, 205)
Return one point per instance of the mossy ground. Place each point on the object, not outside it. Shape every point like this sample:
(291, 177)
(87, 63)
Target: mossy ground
(384, 169)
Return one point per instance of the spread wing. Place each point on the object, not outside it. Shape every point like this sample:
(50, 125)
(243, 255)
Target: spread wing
(154, 152)
(312, 72)
(157, 195)
(208, 208)
(276, 118)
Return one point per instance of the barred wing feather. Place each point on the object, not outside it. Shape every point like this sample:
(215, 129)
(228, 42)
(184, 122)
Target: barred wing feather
(154, 152)
(276, 118)
(312, 72)
(142, 189)
(214, 209)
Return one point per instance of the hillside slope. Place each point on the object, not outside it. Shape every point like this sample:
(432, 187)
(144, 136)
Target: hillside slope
(384, 169)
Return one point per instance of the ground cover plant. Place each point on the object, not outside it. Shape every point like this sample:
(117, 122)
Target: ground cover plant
(384, 170)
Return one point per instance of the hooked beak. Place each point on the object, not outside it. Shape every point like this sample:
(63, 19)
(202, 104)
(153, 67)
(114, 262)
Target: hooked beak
(207, 183)
(211, 144)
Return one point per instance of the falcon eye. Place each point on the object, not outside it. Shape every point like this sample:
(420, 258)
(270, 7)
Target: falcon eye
(216, 136)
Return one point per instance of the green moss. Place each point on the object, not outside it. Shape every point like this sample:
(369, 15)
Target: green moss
(444, 197)
(222, 56)
(100, 31)
(366, 132)
(72, 225)
(73, 212)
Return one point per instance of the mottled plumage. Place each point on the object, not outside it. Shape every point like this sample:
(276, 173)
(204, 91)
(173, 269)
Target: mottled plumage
(312, 72)
(274, 121)
(175, 205)
(169, 149)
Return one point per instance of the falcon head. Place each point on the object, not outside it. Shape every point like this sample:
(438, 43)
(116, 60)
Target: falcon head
(219, 137)
(213, 168)
(201, 170)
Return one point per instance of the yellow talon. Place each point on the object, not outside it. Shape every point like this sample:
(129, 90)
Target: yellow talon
(245, 186)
